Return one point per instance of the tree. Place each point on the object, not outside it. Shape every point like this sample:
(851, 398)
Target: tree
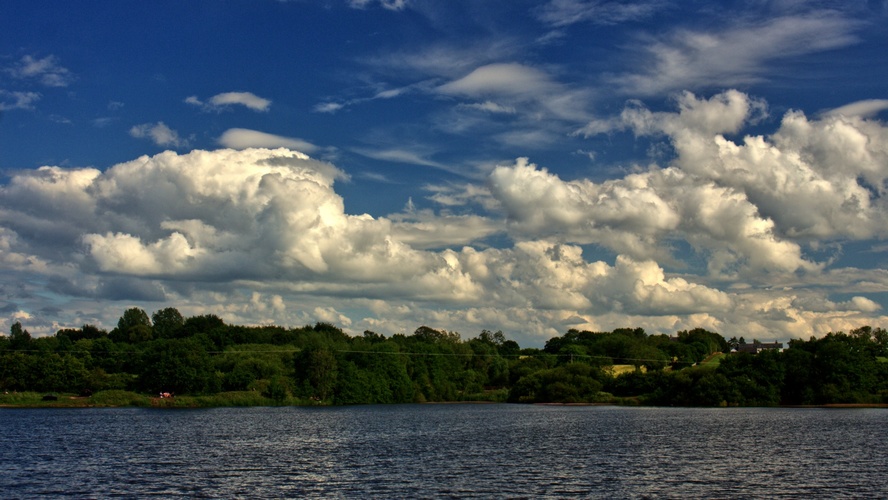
(176, 365)
(317, 366)
(204, 323)
(86, 332)
(19, 338)
(496, 339)
(431, 335)
(167, 323)
(133, 326)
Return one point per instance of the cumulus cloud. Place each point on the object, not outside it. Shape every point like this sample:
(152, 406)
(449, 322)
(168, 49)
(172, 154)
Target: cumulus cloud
(822, 178)
(159, 133)
(636, 215)
(241, 138)
(426, 229)
(261, 235)
(225, 100)
(270, 220)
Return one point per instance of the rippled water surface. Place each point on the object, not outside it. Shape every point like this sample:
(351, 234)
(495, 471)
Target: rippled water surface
(410, 451)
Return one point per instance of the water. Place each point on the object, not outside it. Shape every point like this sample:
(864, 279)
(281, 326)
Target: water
(455, 451)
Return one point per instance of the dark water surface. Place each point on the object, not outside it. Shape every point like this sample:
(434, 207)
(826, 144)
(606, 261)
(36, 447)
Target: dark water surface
(422, 451)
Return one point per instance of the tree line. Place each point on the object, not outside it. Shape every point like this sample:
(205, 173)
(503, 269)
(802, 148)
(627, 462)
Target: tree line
(320, 364)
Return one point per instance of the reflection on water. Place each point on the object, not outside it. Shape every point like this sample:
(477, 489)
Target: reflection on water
(445, 451)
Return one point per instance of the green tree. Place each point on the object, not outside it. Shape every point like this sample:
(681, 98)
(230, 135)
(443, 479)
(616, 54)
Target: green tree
(167, 322)
(318, 368)
(133, 326)
(176, 365)
(571, 383)
(19, 338)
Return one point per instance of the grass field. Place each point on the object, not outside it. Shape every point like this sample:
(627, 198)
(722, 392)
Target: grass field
(713, 360)
(617, 370)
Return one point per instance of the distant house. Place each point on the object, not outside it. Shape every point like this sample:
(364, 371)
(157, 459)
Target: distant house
(757, 347)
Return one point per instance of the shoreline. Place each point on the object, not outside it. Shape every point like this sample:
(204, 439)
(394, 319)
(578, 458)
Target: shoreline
(198, 402)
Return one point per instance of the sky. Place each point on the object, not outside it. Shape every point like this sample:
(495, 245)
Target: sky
(524, 166)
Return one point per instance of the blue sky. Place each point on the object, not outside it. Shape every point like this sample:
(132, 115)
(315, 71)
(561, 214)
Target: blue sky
(523, 166)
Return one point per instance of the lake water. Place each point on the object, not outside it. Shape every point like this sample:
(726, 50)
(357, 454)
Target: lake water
(455, 451)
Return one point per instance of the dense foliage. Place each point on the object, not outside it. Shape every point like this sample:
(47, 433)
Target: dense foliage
(320, 364)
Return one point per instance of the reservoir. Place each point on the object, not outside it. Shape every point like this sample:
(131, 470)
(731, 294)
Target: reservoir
(444, 450)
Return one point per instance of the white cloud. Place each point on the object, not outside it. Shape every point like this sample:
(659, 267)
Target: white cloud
(412, 156)
(126, 254)
(867, 108)
(560, 13)
(731, 56)
(328, 107)
(821, 178)
(47, 71)
(426, 229)
(447, 60)
(726, 112)
(17, 100)
(514, 86)
(388, 93)
(528, 138)
(636, 215)
(240, 138)
(260, 236)
(386, 4)
(225, 100)
(492, 79)
(159, 133)
(270, 220)
(490, 107)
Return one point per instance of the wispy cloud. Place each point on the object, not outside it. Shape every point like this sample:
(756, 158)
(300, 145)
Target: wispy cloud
(47, 71)
(522, 88)
(509, 78)
(401, 155)
(490, 107)
(160, 134)
(867, 108)
(559, 13)
(390, 93)
(17, 100)
(735, 55)
(225, 100)
(386, 4)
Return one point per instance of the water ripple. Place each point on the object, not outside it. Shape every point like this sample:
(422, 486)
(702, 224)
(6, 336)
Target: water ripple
(454, 451)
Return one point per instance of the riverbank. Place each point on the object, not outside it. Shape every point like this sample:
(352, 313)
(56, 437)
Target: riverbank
(117, 398)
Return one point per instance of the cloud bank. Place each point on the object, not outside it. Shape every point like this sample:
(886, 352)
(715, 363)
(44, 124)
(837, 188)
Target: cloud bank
(261, 235)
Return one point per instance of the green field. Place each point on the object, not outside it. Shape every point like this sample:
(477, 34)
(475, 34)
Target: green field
(617, 370)
(713, 360)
